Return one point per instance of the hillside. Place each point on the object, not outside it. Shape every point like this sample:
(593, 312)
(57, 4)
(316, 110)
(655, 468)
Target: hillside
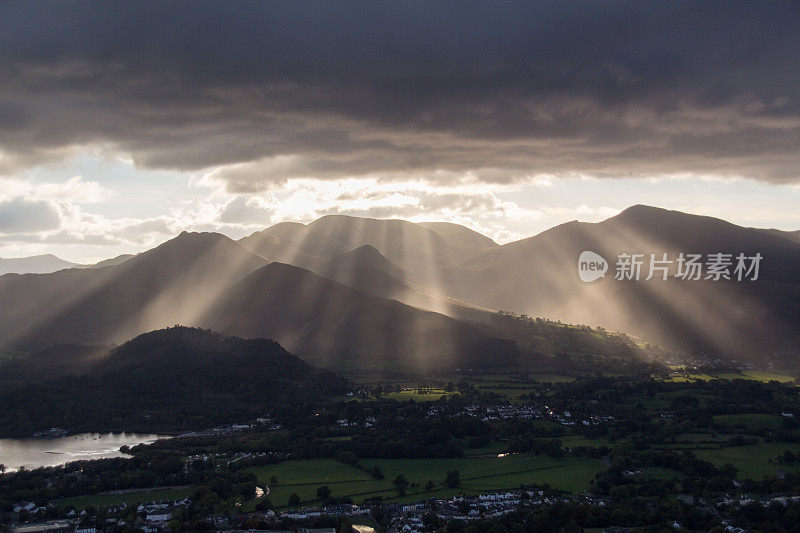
(172, 283)
(173, 379)
(793, 236)
(538, 276)
(337, 325)
(460, 236)
(118, 260)
(366, 269)
(282, 243)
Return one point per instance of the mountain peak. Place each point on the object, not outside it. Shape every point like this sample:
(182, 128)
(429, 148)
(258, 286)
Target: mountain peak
(366, 256)
(366, 250)
(642, 210)
(193, 241)
(197, 235)
(349, 221)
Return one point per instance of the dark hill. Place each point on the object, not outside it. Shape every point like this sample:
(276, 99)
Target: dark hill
(173, 379)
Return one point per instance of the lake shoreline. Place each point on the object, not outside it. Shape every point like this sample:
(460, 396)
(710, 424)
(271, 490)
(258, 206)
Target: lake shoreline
(36, 452)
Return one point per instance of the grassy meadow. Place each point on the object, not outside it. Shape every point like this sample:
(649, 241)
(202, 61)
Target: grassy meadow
(477, 473)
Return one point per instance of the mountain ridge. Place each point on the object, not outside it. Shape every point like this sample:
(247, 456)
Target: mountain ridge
(426, 284)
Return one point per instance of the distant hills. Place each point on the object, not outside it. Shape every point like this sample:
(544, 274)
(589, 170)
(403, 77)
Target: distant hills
(49, 263)
(168, 380)
(356, 292)
(37, 264)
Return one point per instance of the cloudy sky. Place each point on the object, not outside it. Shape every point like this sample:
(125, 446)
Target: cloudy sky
(124, 124)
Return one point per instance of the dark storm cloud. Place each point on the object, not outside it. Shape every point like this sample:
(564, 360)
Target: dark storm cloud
(331, 89)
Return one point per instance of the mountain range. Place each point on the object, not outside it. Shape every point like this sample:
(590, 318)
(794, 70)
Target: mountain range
(745, 319)
(345, 291)
(49, 263)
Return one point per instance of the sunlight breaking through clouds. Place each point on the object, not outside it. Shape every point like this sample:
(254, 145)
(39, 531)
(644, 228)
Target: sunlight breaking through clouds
(92, 219)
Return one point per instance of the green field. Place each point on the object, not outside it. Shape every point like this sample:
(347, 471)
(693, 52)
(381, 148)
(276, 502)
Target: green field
(690, 376)
(547, 424)
(572, 441)
(500, 380)
(702, 438)
(753, 461)
(427, 394)
(761, 375)
(318, 471)
(730, 375)
(551, 378)
(478, 474)
(751, 421)
(757, 375)
(655, 402)
(511, 392)
(129, 498)
(305, 477)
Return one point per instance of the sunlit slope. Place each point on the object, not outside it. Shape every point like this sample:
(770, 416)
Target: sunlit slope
(538, 276)
(460, 236)
(336, 324)
(284, 243)
(366, 269)
(170, 284)
(390, 258)
(113, 261)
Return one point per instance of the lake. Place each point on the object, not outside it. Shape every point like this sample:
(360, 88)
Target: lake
(33, 453)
